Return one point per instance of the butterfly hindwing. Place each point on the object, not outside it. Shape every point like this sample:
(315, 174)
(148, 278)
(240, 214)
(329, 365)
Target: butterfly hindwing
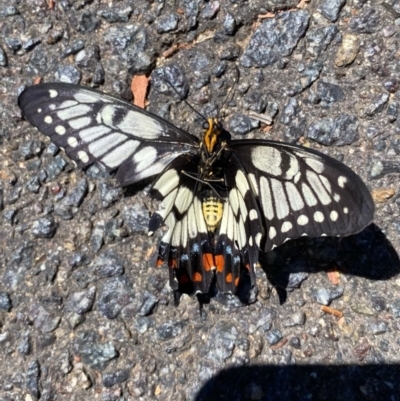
(94, 127)
(303, 192)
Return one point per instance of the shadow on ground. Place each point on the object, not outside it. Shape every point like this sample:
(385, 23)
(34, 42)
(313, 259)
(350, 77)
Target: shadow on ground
(300, 382)
(368, 254)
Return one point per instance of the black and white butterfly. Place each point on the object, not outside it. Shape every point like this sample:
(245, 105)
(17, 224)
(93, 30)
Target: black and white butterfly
(222, 200)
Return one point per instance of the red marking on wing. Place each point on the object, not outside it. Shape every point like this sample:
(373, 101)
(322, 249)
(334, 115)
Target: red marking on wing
(197, 277)
(172, 263)
(208, 261)
(220, 263)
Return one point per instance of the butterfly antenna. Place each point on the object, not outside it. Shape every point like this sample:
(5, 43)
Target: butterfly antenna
(232, 90)
(184, 100)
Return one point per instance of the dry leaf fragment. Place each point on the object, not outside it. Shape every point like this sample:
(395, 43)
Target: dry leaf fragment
(331, 311)
(381, 195)
(303, 4)
(139, 89)
(37, 80)
(280, 344)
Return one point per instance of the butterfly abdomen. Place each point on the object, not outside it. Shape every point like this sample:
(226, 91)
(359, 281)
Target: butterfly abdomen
(213, 209)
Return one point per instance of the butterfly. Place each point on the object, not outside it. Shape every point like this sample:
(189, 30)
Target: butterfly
(223, 200)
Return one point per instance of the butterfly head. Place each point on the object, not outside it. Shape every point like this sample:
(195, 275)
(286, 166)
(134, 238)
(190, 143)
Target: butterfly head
(213, 134)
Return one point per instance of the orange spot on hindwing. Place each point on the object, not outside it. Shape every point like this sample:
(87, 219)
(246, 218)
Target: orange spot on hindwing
(197, 277)
(208, 261)
(172, 263)
(219, 263)
(159, 262)
(228, 278)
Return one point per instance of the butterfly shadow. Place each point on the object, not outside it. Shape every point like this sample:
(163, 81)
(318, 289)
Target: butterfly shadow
(368, 254)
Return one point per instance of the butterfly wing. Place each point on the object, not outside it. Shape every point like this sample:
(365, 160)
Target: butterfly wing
(302, 192)
(94, 127)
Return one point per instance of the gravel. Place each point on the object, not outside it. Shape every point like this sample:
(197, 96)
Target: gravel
(84, 312)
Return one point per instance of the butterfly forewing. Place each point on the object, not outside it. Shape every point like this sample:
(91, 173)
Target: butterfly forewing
(303, 192)
(94, 127)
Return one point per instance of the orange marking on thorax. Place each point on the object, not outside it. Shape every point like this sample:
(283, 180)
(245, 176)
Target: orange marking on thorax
(211, 135)
(228, 278)
(159, 262)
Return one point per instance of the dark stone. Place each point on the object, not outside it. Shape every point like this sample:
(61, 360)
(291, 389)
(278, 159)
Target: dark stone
(108, 264)
(116, 13)
(366, 22)
(241, 124)
(116, 377)
(68, 74)
(330, 8)
(265, 49)
(342, 130)
(74, 48)
(44, 227)
(167, 22)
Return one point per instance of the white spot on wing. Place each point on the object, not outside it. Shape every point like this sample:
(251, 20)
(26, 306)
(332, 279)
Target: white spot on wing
(281, 203)
(60, 130)
(118, 155)
(176, 236)
(140, 124)
(258, 239)
(315, 164)
(326, 183)
(83, 156)
(253, 214)
(286, 226)
(65, 104)
(183, 199)
(267, 159)
(308, 195)
(241, 182)
(253, 182)
(39, 110)
(103, 145)
(167, 182)
(234, 201)
(73, 112)
(302, 220)
(83, 97)
(80, 122)
(144, 158)
(266, 198)
(295, 199)
(272, 233)
(318, 188)
(345, 210)
(293, 167)
(53, 93)
(334, 215)
(318, 217)
(341, 181)
(48, 120)
(336, 197)
(167, 204)
(72, 142)
(92, 133)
